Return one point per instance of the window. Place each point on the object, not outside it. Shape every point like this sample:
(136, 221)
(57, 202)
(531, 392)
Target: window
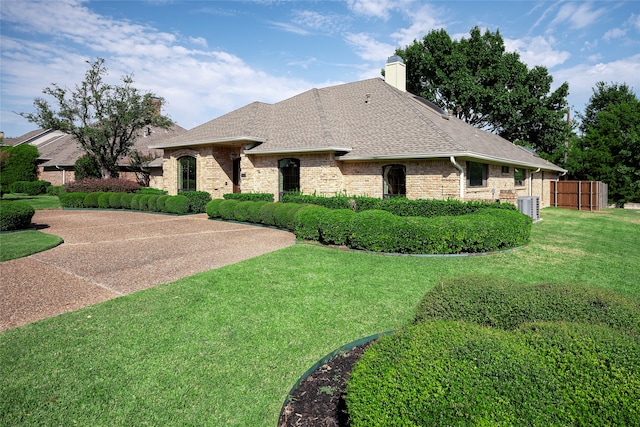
(477, 174)
(289, 171)
(186, 174)
(394, 181)
(505, 169)
(518, 177)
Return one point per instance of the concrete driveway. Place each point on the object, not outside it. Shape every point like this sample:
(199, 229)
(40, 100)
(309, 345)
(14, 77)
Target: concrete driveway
(107, 254)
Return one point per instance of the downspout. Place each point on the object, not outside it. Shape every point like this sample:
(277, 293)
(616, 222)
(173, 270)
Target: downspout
(461, 169)
(63, 174)
(531, 181)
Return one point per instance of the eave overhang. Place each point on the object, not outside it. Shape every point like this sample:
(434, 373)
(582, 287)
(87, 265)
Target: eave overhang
(229, 142)
(302, 150)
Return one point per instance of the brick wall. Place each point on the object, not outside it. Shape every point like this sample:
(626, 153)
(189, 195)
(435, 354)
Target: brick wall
(323, 175)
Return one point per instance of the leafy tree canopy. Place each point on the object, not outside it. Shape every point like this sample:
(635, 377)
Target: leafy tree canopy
(478, 81)
(103, 118)
(609, 149)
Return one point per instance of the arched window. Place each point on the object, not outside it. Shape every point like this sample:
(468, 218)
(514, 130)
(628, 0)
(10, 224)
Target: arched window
(394, 179)
(289, 171)
(186, 174)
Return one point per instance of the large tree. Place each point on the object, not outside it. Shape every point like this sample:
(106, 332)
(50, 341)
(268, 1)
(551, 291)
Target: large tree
(609, 149)
(478, 81)
(104, 119)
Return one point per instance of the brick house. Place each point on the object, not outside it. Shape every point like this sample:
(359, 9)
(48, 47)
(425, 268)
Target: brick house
(369, 138)
(59, 151)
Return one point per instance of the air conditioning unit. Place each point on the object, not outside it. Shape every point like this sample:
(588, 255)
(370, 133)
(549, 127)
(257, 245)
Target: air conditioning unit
(530, 206)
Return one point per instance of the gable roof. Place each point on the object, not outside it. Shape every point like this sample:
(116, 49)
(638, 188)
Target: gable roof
(57, 148)
(365, 120)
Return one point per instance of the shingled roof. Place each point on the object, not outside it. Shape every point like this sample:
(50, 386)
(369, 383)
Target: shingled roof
(57, 148)
(360, 121)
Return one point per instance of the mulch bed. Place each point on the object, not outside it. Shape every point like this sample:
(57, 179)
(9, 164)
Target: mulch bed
(319, 401)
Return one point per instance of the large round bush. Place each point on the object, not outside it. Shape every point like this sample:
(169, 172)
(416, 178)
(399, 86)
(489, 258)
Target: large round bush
(456, 373)
(15, 215)
(176, 204)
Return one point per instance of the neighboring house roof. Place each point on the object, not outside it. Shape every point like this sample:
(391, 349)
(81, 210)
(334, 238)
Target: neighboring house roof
(365, 120)
(57, 148)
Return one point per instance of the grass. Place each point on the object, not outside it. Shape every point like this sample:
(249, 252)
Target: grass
(224, 347)
(18, 244)
(42, 201)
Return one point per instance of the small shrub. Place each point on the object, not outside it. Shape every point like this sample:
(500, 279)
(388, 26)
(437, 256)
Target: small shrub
(126, 199)
(115, 200)
(253, 211)
(55, 190)
(143, 202)
(282, 217)
(177, 204)
(103, 200)
(335, 226)
(241, 210)
(375, 230)
(213, 208)
(18, 187)
(266, 213)
(226, 208)
(91, 199)
(152, 203)
(30, 188)
(308, 222)
(72, 200)
(135, 202)
(160, 201)
(252, 197)
(15, 215)
(197, 200)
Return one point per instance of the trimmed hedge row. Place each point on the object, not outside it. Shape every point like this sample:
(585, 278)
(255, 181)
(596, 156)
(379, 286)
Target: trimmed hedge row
(251, 197)
(15, 215)
(91, 185)
(109, 200)
(400, 206)
(485, 230)
(31, 188)
(487, 351)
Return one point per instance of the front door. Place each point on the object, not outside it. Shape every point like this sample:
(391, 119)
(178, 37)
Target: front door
(236, 175)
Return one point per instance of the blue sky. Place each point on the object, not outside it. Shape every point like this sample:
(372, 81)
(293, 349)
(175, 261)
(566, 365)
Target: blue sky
(207, 58)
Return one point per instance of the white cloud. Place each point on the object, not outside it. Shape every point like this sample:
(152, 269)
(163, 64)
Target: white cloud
(214, 81)
(582, 78)
(423, 20)
(537, 51)
(614, 33)
(577, 15)
(370, 49)
(372, 8)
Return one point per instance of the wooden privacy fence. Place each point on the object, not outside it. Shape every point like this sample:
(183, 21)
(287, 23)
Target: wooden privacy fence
(579, 195)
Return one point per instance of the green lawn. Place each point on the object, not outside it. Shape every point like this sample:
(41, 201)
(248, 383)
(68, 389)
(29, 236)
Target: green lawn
(224, 347)
(19, 244)
(42, 201)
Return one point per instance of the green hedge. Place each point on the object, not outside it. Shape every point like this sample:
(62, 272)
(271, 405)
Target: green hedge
(455, 373)
(501, 303)
(399, 206)
(91, 199)
(103, 200)
(31, 188)
(177, 204)
(160, 202)
(489, 351)
(197, 200)
(55, 190)
(151, 191)
(72, 200)
(484, 230)
(125, 200)
(15, 215)
(249, 197)
(115, 200)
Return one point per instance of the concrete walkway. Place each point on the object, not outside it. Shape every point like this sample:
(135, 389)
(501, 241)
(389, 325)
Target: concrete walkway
(107, 254)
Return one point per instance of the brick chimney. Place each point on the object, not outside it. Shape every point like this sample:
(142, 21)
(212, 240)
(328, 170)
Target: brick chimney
(395, 73)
